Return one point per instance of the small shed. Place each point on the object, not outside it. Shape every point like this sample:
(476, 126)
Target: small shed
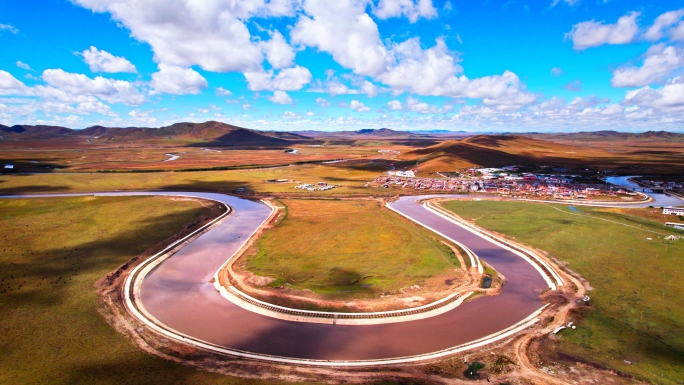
(487, 282)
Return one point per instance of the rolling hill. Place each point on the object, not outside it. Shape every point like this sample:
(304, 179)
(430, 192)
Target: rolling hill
(498, 151)
(611, 135)
(366, 133)
(209, 133)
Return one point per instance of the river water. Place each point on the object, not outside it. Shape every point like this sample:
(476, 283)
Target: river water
(179, 294)
(660, 199)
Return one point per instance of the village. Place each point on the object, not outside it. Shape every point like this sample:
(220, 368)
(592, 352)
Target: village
(660, 185)
(503, 181)
(320, 186)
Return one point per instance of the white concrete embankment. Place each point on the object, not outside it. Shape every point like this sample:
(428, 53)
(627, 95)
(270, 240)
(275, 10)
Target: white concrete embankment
(134, 305)
(441, 306)
(242, 299)
(536, 261)
(474, 259)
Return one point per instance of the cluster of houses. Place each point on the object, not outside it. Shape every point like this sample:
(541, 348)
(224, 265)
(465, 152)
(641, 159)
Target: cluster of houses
(542, 186)
(676, 225)
(673, 210)
(512, 173)
(320, 186)
(661, 184)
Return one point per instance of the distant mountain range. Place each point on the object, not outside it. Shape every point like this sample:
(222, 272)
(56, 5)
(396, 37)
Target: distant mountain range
(214, 133)
(207, 133)
(609, 135)
(366, 133)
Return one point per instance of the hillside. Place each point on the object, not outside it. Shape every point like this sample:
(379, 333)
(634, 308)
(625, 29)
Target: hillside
(611, 135)
(366, 133)
(498, 151)
(33, 132)
(209, 133)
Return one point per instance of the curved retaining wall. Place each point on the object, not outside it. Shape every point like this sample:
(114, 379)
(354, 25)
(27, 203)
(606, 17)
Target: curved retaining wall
(551, 276)
(338, 318)
(244, 300)
(474, 260)
(175, 297)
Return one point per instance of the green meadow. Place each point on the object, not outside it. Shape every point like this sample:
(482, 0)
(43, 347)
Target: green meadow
(638, 288)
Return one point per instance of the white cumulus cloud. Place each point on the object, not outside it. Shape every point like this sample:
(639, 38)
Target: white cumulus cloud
(177, 80)
(278, 52)
(220, 91)
(211, 34)
(591, 33)
(323, 102)
(280, 97)
(409, 8)
(661, 23)
(9, 84)
(291, 115)
(23, 65)
(415, 105)
(72, 84)
(659, 63)
(358, 106)
(346, 31)
(420, 71)
(103, 61)
(668, 97)
(677, 33)
(288, 79)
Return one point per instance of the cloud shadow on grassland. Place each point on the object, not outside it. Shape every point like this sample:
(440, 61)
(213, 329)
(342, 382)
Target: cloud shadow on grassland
(35, 189)
(54, 266)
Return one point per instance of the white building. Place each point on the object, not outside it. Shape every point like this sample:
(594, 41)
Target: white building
(405, 174)
(673, 210)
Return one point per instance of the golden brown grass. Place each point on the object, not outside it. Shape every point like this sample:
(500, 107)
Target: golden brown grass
(349, 248)
(351, 177)
(503, 150)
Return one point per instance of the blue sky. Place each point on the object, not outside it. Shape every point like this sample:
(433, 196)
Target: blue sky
(556, 65)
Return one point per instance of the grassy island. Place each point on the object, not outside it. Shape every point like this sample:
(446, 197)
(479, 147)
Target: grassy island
(348, 248)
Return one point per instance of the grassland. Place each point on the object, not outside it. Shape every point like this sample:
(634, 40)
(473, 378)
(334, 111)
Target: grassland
(637, 282)
(53, 251)
(349, 248)
(429, 155)
(80, 157)
(351, 175)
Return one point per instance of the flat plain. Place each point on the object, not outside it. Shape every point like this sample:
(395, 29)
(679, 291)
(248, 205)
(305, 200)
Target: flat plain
(351, 176)
(636, 277)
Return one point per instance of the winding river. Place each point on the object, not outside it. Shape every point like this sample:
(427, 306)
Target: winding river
(179, 296)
